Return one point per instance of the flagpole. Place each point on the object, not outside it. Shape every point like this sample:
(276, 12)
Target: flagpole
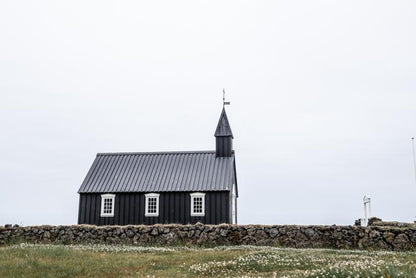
(414, 155)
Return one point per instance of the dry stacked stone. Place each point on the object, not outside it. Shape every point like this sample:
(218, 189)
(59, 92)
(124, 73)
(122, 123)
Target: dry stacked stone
(339, 237)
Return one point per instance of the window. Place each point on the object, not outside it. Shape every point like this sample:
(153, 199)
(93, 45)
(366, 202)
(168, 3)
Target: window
(197, 204)
(152, 204)
(107, 205)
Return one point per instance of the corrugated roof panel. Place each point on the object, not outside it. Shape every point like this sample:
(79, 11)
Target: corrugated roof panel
(159, 172)
(117, 173)
(179, 174)
(165, 174)
(137, 170)
(127, 174)
(128, 161)
(92, 172)
(132, 176)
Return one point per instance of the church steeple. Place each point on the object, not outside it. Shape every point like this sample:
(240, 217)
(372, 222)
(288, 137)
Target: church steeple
(223, 137)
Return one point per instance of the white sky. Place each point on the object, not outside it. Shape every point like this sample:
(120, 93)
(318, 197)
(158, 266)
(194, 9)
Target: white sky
(323, 98)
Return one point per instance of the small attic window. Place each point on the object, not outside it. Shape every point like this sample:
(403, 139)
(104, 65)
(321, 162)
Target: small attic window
(152, 204)
(107, 205)
(198, 204)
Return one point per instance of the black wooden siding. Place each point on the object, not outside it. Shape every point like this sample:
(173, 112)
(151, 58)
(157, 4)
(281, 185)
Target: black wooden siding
(224, 146)
(174, 207)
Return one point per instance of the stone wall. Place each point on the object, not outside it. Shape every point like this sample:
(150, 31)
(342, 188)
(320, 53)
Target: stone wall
(374, 221)
(346, 237)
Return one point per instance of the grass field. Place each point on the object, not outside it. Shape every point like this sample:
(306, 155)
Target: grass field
(27, 260)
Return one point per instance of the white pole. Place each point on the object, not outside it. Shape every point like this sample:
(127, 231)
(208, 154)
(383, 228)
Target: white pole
(365, 212)
(369, 207)
(414, 155)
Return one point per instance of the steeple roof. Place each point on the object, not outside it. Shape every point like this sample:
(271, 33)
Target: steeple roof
(223, 127)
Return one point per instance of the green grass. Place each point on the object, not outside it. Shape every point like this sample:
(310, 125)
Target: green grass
(25, 260)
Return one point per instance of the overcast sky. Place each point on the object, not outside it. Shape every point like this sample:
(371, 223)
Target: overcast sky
(322, 95)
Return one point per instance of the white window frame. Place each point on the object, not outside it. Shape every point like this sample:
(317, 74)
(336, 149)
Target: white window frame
(197, 195)
(112, 197)
(146, 208)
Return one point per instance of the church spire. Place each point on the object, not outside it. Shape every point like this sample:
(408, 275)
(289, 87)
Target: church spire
(223, 126)
(223, 134)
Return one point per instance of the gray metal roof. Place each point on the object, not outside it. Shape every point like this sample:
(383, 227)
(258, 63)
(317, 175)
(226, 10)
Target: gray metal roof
(223, 127)
(159, 172)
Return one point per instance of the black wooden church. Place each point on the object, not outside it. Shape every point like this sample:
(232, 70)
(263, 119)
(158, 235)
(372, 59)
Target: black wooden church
(163, 187)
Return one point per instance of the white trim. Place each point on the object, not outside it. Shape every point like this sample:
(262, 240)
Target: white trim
(197, 195)
(233, 206)
(151, 195)
(112, 198)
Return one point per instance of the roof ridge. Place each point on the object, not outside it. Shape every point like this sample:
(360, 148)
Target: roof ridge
(155, 153)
